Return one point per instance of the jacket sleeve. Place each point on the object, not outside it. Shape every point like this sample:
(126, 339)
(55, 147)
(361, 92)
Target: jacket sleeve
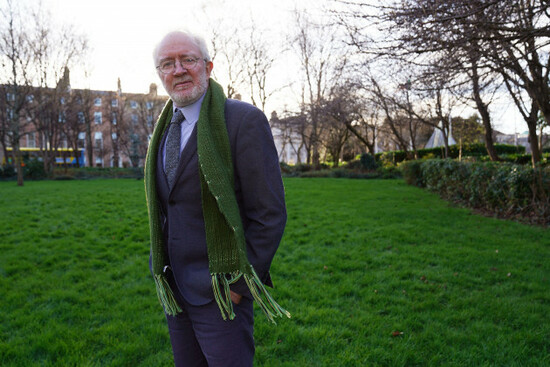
(259, 189)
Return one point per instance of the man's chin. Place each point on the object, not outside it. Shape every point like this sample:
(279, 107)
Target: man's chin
(182, 100)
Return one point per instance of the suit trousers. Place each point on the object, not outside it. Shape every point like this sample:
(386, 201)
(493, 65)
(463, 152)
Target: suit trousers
(201, 338)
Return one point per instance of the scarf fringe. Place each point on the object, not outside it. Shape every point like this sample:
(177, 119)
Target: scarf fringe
(166, 296)
(260, 294)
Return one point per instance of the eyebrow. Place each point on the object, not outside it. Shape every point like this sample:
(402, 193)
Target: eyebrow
(179, 56)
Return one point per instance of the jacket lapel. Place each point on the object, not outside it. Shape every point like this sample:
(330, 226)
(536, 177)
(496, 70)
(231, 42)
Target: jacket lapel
(188, 152)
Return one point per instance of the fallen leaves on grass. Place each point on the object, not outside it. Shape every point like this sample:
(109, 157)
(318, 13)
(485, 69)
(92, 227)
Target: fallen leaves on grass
(396, 333)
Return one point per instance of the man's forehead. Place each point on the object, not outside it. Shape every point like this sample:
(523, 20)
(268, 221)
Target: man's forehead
(178, 43)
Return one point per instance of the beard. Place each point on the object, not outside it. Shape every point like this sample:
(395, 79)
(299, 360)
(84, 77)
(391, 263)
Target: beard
(186, 97)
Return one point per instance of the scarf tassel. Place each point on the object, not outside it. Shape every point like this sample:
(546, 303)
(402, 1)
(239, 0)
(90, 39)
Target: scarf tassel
(166, 296)
(223, 299)
(262, 297)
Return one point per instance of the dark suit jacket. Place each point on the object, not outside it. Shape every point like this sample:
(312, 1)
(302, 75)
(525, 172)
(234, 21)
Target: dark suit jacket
(260, 195)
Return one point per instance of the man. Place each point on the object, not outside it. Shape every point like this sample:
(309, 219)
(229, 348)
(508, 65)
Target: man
(216, 210)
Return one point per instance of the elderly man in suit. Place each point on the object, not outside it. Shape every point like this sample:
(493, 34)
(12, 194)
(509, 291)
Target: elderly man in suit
(216, 210)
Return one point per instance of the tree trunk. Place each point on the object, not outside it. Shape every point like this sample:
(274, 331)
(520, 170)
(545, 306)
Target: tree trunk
(536, 154)
(484, 112)
(89, 143)
(18, 164)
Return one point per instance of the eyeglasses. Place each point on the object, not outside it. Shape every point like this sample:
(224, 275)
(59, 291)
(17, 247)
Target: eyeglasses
(169, 66)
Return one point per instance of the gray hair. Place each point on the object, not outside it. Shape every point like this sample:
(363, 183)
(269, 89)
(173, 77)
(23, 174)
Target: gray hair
(197, 40)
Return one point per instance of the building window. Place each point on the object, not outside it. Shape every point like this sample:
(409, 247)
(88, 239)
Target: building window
(149, 105)
(114, 103)
(62, 100)
(81, 140)
(99, 162)
(80, 117)
(30, 98)
(97, 118)
(62, 118)
(10, 97)
(97, 101)
(98, 140)
(133, 104)
(149, 120)
(31, 140)
(134, 119)
(113, 118)
(113, 136)
(63, 141)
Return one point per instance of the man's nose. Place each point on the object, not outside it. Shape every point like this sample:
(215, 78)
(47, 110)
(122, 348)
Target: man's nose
(179, 69)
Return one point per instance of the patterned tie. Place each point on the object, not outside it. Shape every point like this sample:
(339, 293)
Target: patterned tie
(173, 142)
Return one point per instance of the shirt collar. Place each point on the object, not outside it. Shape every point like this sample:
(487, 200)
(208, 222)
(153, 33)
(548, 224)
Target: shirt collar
(192, 111)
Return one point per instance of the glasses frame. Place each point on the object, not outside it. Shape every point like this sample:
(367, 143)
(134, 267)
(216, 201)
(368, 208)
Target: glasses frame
(196, 60)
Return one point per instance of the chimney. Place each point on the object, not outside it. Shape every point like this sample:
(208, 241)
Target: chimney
(153, 90)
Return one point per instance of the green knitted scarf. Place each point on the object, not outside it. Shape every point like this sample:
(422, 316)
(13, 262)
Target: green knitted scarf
(226, 244)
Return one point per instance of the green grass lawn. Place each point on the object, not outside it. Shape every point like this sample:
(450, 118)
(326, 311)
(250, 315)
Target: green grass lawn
(375, 273)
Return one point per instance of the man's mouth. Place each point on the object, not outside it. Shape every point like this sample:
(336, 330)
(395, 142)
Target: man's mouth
(183, 84)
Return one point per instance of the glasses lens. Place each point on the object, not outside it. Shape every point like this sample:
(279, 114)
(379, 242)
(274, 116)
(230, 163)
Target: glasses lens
(188, 62)
(167, 67)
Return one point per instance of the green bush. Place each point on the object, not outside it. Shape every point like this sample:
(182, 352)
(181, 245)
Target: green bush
(285, 168)
(368, 161)
(412, 174)
(34, 170)
(388, 172)
(7, 171)
(468, 150)
(356, 164)
(508, 190)
(303, 167)
(84, 173)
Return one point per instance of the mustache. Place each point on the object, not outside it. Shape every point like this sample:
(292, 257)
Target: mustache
(181, 80)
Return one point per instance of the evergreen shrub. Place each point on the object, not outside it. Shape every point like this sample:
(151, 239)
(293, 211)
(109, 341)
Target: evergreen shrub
(368, 161)
(468, 150)
(7, 171)
(505, 189)
(34, 170)
(355, 164)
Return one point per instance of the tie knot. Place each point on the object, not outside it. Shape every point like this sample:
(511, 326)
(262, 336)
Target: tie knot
(178, 117)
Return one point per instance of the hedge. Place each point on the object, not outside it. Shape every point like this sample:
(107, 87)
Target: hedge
(504, 189)
(468, 150)
(34, 170)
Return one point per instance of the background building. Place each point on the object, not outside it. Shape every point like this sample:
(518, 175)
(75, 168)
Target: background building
(78, 127)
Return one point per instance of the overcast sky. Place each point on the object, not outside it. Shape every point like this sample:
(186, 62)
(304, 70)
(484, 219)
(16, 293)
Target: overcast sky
(123, 33)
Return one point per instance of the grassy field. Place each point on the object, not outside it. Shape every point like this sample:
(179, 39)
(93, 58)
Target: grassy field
(375, 273)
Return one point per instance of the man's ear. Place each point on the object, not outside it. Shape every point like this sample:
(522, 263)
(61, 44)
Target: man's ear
(209, 67)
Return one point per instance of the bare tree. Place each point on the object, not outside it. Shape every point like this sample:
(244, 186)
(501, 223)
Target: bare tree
(432, 37)
(74, 125)
(84, 105)
(228, 53)
(508, 37)
(53, 50)
(344, 115)
(15, 55)
(290, 131)
(260, 59)
(117, 123)
(323, 63)
(395, 119)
